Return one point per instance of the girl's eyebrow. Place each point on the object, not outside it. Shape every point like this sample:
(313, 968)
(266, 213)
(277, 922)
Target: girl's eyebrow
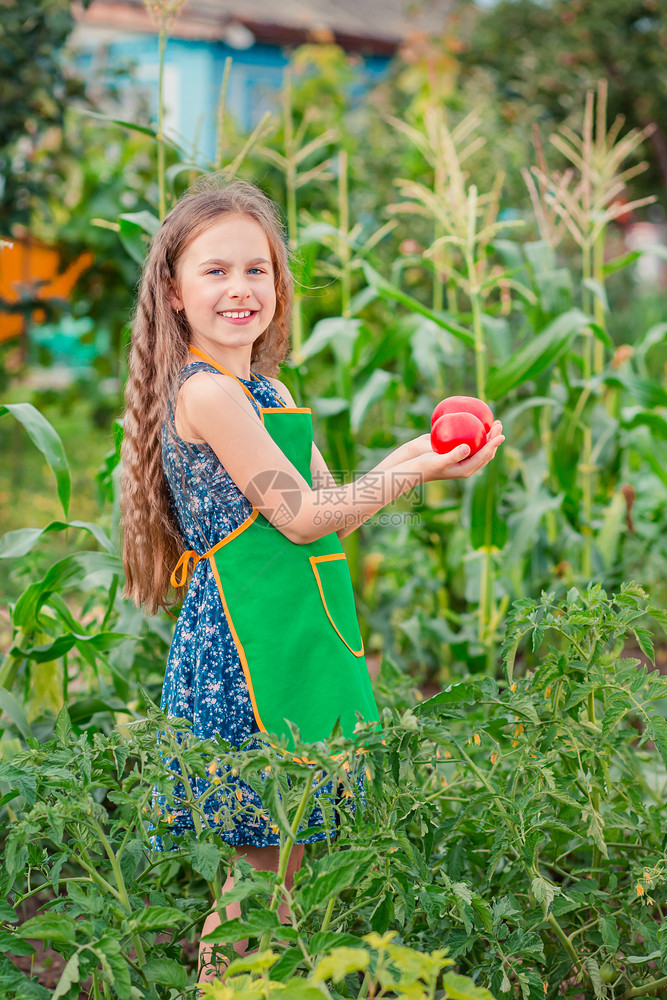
(226, 263)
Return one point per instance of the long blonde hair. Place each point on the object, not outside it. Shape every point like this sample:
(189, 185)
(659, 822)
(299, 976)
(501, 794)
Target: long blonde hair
(160, 339)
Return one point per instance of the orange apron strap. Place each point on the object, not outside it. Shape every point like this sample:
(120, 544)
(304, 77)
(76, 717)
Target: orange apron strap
(182, 567)
(223, 371)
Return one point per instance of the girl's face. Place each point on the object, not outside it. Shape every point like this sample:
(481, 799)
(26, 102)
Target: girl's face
(225, 285)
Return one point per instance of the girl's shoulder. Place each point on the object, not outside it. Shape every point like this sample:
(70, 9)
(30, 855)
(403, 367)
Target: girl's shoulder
(194, 367)
(256, 379)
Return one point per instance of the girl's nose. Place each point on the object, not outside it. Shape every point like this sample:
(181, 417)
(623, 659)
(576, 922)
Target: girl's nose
(238, 287)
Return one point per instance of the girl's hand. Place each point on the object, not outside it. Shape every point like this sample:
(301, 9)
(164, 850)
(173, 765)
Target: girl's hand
(454, 464)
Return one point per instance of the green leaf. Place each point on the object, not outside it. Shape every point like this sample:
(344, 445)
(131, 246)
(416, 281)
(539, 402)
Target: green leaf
(614, 711)
(143, 129)
(70, 975)
(467, 692)
(24, 782)
(538, 354)
(618, 263)
(340, 963)
(483, 911)
(8, 914)
(95, 568)
(15, 544)
(644, 392)
(10, 705)
(12, 944)
(645, 642)
(662, 940)
(327, 940)
(329, 406)
(258, 961)
(526, 944)
(115, 968)
(654, 335)
(46, 438)
(332, 874)
(157, 918)
(205, 858)
(506, 906)
(389, 291)
(371, 392)
(136, 231)
(49, 927)
(18, 543)
(290, 960)
(593, 970)
(257, 922)
(338, 332)
(165, 972)
(63, 726)
(522, 705)
(598, 291)
(657, 729)
(488, 529)
(298, 989)
(544, 892)
(632, 417)
(462, 988)
(131, 856)
(609, 932)
(16, 855)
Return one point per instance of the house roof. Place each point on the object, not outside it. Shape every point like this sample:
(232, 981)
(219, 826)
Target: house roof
(377, 26)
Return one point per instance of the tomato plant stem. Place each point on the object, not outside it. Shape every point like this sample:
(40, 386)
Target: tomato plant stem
(285, 852)
(327, 914)
(647, 990)
(567, 944)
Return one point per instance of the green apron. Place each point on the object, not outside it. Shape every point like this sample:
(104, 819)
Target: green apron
(290, 608)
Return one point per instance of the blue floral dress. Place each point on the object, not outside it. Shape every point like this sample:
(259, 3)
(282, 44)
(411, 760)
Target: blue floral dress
(204, 680)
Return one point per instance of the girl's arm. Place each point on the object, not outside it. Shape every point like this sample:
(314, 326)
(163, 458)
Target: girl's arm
(322, 476)
(214, 409)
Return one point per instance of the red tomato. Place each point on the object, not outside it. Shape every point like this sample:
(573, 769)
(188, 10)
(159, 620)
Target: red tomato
(465, 404)
(453, 429)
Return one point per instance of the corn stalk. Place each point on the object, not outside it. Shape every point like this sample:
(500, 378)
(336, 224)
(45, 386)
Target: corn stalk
(464, 223)
(290, 161)
(582, 201)
(164, 14)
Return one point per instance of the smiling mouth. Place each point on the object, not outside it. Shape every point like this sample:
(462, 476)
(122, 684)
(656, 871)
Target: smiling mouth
(237, 313)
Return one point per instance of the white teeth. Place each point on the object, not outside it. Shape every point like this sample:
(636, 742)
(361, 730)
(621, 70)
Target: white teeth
(237, 314)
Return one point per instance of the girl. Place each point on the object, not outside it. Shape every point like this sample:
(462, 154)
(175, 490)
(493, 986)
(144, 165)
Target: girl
(220, 462)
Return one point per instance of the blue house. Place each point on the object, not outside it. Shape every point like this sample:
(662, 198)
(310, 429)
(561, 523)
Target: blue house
(257, 34)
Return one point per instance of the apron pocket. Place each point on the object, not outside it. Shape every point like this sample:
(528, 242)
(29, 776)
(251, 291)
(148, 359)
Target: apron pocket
(335, 587)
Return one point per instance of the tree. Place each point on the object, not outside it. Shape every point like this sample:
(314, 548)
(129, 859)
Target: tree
(547, 54)
(36, 88)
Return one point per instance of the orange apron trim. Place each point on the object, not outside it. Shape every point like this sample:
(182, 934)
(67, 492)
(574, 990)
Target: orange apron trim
(224, 371)
(314, 560)
(180, 573)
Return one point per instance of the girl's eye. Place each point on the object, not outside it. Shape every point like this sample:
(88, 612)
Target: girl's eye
(257, 270)
(215, 270)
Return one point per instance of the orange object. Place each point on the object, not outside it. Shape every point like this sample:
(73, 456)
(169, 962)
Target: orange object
(30, 267)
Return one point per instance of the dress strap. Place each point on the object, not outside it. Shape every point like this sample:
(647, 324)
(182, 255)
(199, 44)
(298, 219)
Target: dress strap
(223, 371)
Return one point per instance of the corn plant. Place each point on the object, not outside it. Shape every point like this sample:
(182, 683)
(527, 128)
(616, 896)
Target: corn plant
(465, 224)
(290, 160)
(582, 201)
